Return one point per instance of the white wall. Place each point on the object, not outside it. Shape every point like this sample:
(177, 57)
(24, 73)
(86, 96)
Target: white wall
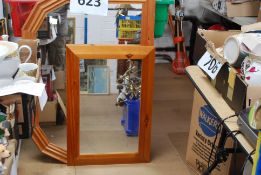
(102, 30)
(1, 9)
(79, 26)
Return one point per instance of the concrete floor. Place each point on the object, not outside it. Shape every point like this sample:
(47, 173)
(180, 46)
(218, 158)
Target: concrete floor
(171, 119)
(100, 126)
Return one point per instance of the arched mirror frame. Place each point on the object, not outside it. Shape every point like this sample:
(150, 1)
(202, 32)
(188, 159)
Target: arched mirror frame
(73, 56)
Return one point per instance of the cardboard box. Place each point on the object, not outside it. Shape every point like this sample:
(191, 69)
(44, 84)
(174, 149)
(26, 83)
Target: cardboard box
(201, 137)
(233, 89)
(243, 9)
(203, 36)
(24, 53)
(49, 112)
(239, 95)
(59, 82)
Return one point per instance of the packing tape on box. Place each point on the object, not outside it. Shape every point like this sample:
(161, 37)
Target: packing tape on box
(231, 83)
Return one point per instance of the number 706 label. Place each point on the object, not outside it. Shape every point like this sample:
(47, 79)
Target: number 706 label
(92, 7)
(210, 65)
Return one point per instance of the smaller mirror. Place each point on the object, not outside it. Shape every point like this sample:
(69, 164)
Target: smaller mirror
(110, 122)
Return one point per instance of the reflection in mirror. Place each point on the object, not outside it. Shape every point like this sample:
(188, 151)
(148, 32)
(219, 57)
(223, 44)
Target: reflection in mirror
(109, 106)
(122, 25)
(52, 46)
(53, 122)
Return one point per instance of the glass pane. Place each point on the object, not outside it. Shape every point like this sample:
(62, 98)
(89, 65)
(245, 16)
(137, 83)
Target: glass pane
(109, 106)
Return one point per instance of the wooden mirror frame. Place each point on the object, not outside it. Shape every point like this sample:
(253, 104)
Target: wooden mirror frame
(43, 7)
(73, 56)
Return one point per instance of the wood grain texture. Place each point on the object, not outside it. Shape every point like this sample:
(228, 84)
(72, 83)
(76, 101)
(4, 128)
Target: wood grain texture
(146, 54)
(148, 117)
(105, 159)
(43, 7)
(42, 142)
(71, 111)
(37, 15)
(147, 23)
(110, 51)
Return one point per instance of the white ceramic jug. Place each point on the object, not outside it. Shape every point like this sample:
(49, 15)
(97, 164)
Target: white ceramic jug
(9, 64)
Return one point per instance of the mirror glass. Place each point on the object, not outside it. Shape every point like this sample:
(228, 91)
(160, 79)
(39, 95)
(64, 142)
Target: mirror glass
(121, 26)
(110, 93)
(52, 52)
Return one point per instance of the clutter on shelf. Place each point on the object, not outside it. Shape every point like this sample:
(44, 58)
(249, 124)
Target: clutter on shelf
(237, 8)
(128, 27)
(239, 78)
(8, 128)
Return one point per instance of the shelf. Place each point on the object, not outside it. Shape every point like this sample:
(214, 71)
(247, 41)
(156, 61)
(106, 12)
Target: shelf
(217, 103)
(238, 20)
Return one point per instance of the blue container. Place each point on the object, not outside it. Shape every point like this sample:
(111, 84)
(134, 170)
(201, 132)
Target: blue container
(130, 118)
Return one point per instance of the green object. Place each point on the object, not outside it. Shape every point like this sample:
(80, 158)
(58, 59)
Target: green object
(161, 16)
(2, 118)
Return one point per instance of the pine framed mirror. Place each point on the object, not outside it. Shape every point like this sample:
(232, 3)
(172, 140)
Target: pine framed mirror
(87, 144)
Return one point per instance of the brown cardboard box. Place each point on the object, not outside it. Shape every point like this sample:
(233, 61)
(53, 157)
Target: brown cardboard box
(49, 112)
(234, 99)
(203, 36)
(201, 138)
(238, 100)
(59, 82)
(243, 9)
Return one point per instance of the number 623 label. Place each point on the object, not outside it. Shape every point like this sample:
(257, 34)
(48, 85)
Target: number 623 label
(210, 65)
(92, 7)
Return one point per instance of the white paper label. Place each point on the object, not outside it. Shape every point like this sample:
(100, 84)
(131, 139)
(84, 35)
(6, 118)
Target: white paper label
(92, 7)
(53, 21)
(210, 65)
(43, 99)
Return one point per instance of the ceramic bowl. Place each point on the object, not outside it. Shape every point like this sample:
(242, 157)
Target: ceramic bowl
(7, 49)
(28, 69)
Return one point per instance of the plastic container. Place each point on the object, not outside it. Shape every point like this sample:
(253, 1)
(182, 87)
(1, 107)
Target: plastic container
(161, 16)
(129, 27)
(130, 118)
(20, 10)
